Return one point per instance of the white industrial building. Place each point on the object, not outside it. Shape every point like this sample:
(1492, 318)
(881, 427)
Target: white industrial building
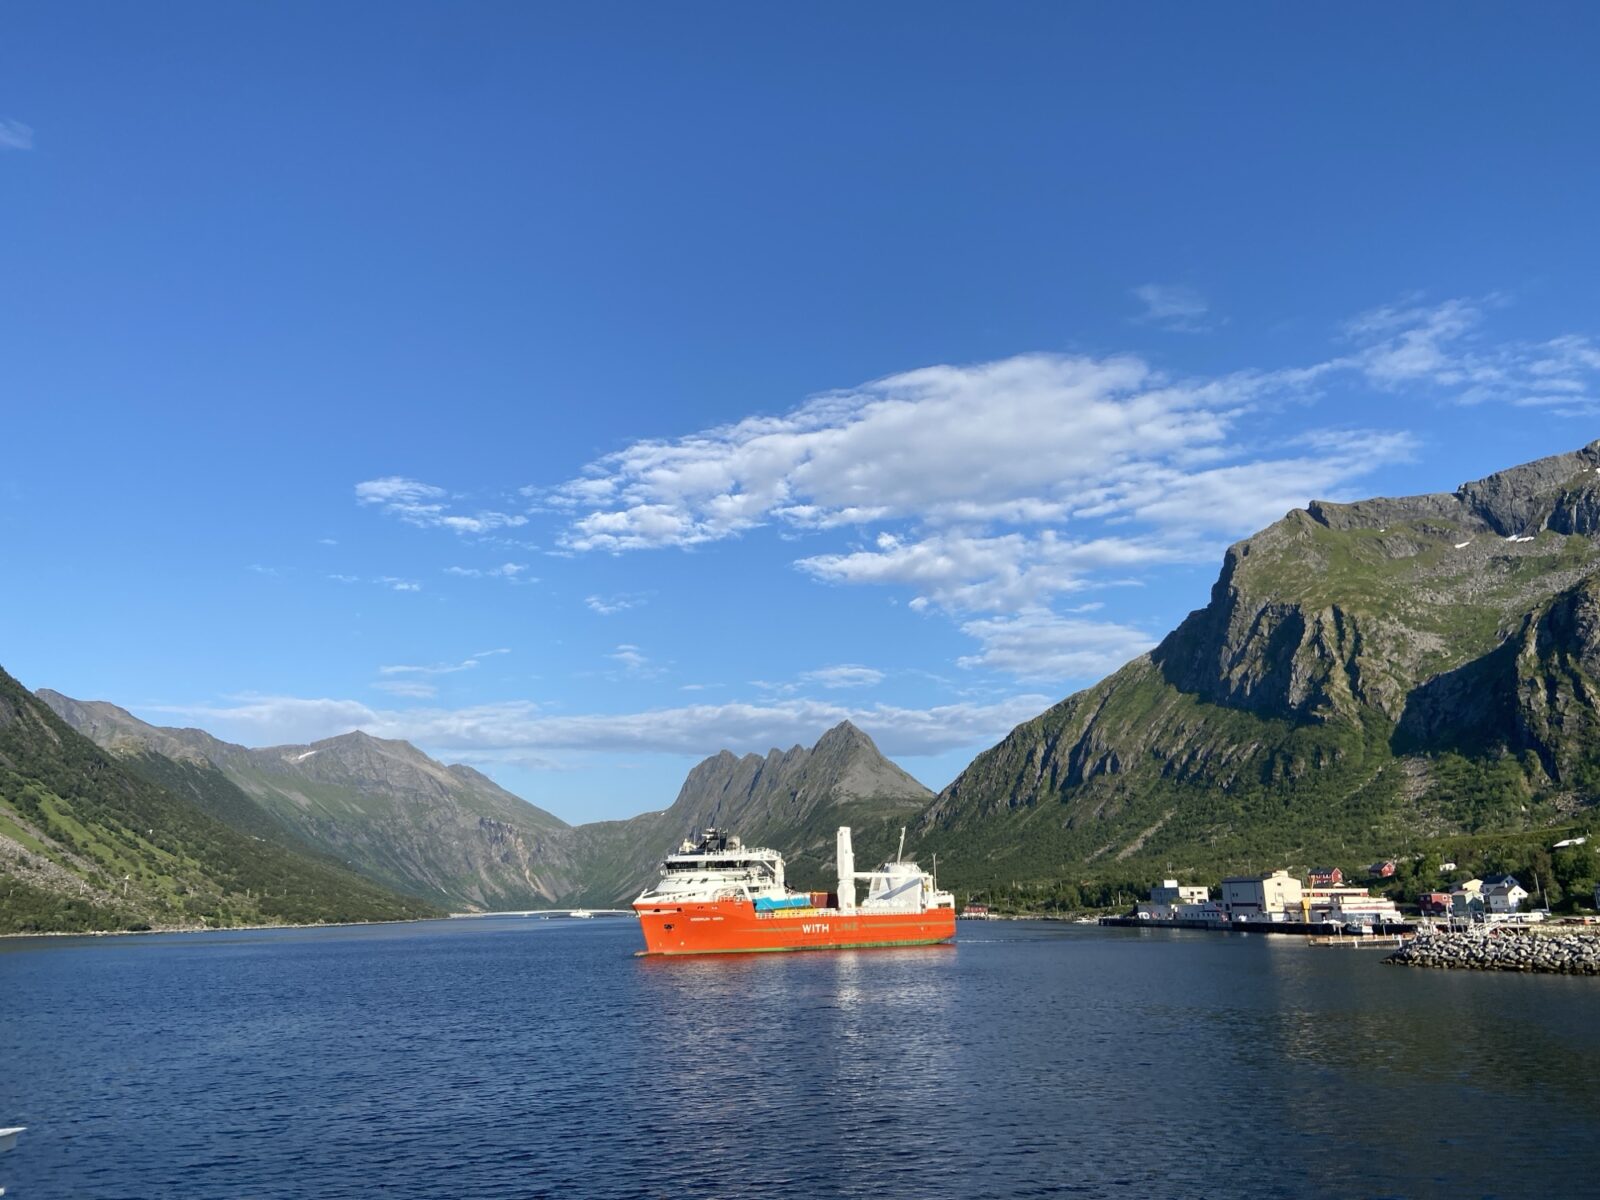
(1257, 897)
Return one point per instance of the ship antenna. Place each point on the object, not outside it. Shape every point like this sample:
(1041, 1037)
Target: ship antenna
(900, 854)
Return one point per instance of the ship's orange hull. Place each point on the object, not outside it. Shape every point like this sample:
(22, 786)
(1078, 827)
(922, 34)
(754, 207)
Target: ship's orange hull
(734, 927)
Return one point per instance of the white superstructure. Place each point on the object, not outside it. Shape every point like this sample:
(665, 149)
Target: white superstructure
(720, 867)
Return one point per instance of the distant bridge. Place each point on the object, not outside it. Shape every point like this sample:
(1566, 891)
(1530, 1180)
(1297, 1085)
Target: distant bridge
(549, 912)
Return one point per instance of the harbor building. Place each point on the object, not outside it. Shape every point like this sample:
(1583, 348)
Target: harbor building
(1257, 897)
(1323, 877)
(1166, 900)
(1171, 893)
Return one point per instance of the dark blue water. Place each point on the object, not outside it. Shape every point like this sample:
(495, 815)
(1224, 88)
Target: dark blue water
(511, 1058)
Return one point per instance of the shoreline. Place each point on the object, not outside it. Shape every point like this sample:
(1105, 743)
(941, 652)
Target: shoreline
(108, 933)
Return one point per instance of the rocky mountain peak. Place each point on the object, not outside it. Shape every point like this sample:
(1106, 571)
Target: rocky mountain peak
(845, 736)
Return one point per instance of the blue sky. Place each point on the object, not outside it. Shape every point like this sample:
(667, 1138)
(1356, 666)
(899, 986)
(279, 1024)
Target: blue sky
(578, 390)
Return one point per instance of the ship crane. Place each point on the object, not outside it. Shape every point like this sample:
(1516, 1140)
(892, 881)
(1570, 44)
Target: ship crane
(847, 867)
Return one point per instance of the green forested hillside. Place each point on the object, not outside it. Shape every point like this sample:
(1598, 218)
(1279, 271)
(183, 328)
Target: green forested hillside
(86, 842)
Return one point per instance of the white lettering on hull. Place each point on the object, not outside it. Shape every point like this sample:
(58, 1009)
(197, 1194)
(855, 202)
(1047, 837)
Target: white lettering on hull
(813, 929)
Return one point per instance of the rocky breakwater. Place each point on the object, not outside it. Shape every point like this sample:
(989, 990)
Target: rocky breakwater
(1558, 954)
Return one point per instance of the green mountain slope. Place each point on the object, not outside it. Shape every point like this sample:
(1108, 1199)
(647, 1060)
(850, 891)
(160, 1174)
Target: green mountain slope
(447, 834)
(88, 843)
(1365, 676)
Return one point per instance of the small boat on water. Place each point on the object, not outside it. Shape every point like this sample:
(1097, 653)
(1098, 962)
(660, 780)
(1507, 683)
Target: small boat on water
(718, 896)
(583, 914)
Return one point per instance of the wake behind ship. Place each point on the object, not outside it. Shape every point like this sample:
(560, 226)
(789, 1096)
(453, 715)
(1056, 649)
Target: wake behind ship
(717, 896)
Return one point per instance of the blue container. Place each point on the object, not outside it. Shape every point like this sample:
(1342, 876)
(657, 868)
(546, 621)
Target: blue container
(772, 904)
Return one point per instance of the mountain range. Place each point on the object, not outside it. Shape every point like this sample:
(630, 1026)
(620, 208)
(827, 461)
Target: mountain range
(1364, 677)
(451, 837)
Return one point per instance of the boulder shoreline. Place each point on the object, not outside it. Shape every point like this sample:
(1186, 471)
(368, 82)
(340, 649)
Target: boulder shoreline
(1550, 954)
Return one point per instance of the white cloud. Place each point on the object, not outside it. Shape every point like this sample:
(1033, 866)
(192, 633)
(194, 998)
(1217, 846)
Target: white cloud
(466, 664)
(345, 578)
(400, 585)
(511, 572)
(610, 605)
(14, 135)
(1025, 439)
(1040, 646)
(1443, 348)
(521, 728)
(634, 663)
(423, 505)
(968, 572)
(845, 675)
(1174, 306)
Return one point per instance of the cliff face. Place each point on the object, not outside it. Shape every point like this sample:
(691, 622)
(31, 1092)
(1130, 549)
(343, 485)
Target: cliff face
(1348, 653)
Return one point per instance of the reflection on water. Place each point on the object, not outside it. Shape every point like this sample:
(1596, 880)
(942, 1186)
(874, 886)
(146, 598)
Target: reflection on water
(824, 1051)
(514, 1058)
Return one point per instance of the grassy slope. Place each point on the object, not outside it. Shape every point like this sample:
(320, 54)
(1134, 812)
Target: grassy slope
(92, 844)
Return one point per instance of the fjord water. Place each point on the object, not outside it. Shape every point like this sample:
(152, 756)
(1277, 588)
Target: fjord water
(507, 1057)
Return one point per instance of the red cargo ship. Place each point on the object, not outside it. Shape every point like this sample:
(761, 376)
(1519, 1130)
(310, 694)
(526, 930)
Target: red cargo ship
(717, 896)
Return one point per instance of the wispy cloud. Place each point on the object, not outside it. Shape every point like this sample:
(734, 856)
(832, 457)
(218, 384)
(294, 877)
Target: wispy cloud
(465, 664)
(1444, 348)
(14, 135)
(845, 675)
(522, 728)
(964, 571)
(1175, 307)
(1032, 440)
(394, 583)
(610, 605)
(1037, 645)
(511, 572)
(424, 505)
(633, 662)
